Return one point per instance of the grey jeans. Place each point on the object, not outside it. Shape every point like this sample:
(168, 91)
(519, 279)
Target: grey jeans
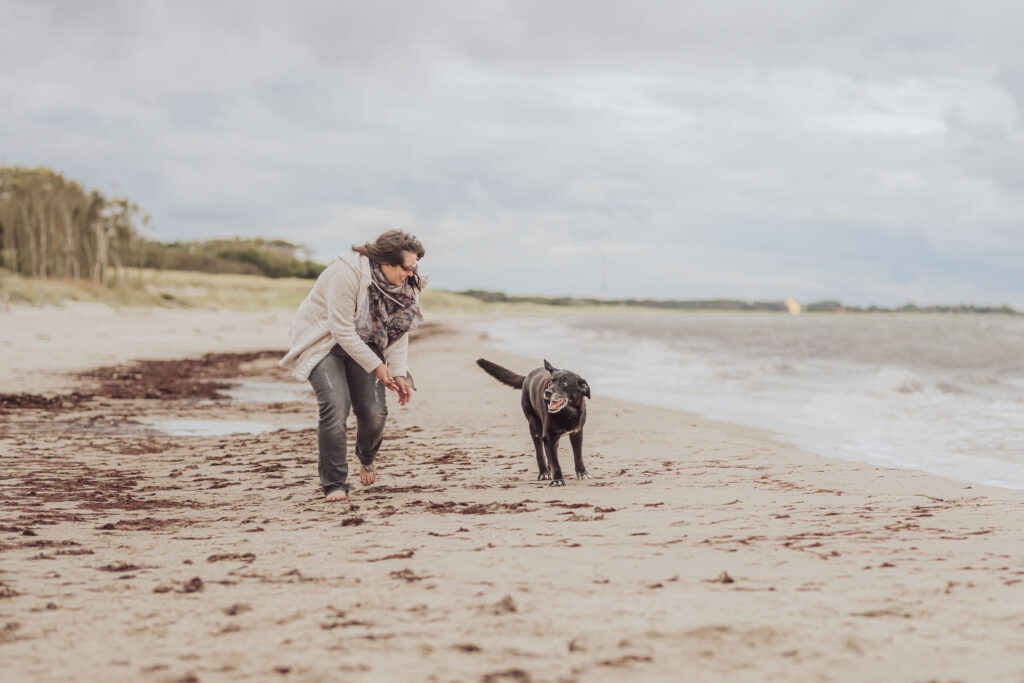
(342, 385)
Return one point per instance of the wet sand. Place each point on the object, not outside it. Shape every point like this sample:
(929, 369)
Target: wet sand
(699, 551)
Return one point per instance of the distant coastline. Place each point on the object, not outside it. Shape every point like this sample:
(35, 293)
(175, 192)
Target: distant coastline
(827, 306)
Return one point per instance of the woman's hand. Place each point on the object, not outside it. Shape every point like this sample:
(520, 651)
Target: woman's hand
(404, 393)
(384, 376)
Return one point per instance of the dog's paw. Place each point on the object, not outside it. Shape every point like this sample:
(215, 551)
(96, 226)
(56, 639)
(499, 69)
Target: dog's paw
(583, 475)
(557, 482)
(543, 476)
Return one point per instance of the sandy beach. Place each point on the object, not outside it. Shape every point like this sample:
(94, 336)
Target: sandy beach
(699, 550)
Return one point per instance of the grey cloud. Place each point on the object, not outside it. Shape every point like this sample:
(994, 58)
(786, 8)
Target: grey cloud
(797, 148)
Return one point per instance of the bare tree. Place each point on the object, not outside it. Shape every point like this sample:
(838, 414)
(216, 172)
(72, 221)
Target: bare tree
(52, 227)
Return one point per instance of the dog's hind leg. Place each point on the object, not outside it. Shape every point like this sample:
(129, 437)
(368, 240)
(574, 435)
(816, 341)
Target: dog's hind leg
(576, 440)
(551, 446)
(535, 432)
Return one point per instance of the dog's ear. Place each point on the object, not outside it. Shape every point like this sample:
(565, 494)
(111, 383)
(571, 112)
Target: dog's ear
(549, 367)
(584, 387)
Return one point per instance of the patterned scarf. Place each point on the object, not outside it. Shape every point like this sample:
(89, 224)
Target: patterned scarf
(393, 309)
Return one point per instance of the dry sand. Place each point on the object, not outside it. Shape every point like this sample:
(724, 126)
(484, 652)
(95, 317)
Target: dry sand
(38, 344)
(699, 551)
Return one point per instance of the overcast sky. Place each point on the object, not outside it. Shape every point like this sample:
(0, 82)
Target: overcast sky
(870, 152)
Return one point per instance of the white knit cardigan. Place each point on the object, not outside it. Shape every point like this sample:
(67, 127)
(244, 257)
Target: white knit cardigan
(327, 317)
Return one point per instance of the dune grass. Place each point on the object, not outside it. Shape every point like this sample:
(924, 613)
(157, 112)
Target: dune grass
(161, 288)
(185, 289)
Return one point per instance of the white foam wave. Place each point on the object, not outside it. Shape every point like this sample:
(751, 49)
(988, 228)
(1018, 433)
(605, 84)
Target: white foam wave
(963, 425)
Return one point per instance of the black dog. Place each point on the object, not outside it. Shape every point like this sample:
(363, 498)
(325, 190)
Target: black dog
(553, 404)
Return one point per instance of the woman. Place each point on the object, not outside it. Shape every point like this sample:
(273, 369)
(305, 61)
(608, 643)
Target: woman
(350, 340)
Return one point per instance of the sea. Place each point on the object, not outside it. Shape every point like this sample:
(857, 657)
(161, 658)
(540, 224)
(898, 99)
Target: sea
(942, 393)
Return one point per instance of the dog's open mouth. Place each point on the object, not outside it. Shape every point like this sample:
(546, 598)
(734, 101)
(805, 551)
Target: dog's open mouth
(556, 404)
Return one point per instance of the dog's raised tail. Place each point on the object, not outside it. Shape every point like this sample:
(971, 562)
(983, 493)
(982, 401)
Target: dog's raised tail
(501, 374)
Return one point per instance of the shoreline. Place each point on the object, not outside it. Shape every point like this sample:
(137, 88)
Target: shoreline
(882, 418)
(31, 366)
(700, 549)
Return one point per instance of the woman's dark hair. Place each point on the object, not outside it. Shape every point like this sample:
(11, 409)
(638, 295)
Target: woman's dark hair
(388, 248)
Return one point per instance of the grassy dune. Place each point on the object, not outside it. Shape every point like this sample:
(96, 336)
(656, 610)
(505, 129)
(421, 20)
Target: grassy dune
(184, 289)
(163, 288)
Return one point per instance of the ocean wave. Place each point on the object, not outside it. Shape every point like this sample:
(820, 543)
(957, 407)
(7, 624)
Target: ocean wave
(821, 390)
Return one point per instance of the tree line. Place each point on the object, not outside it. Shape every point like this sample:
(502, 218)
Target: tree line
(829, 306)
(247, 256)
(53, 227)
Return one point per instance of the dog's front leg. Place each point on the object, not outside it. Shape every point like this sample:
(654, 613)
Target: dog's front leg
(576, 439)
(543, 472)
(551, 446)
(535, 433)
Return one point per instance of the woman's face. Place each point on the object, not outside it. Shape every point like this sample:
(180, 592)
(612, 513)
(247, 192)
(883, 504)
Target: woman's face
(397, 274)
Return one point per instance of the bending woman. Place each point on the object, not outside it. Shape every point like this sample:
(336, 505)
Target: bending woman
(350, 341)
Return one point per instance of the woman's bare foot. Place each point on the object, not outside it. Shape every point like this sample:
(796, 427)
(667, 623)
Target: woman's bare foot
(367, 474)
(335, 496)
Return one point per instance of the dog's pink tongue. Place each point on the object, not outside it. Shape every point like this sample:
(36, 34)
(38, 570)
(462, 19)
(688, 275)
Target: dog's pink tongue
(556, 404)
